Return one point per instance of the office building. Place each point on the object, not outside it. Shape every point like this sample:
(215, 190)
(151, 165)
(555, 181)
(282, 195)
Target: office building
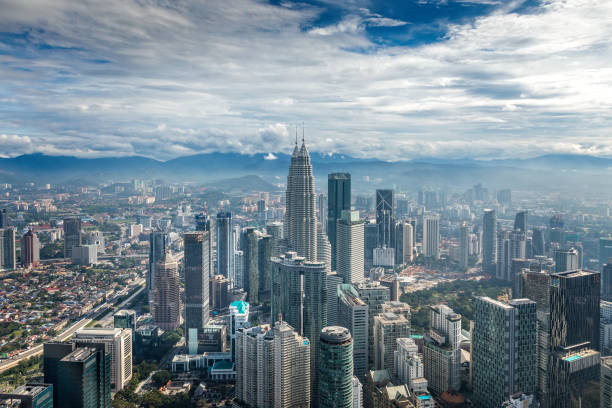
(489, 242)
(8, 256)
(204, 224)
(605, 383)
(370, 231)
(538, 242)
(158, 244)
(275, 229)
(407, 363)
(85, 379)
(299, 295)
(72, 235)
(84, 254)
(404, 242)
(324, 252)
(30, 395)
(4, 220)
(353, 314)
(566, 260)
(125, 319)
(335, 368)
(504, 350)
(606, 281)
(388, 327)
(265, 248)
(197, 272)
(322, 211)
(238, 319)
(292, 382)
(575, 373)
(339, 199)
(431, 235)
(254, 354)
(605, 328)
(166, 294)
(300, 215)
(385, 218)
(30, 250)
(464, 245)
(442, 350)
(53, 352)
(219, 292)
(118, 344)
(225, 246)
(239, 269)
(384, 257)
(374, 295)
(520, 221)
(605, 250)
(350, 246)
(333, 281)
(249, 242)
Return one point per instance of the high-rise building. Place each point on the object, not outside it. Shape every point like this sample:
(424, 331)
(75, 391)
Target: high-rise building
(292, 382)
(339, 199)
(30, 249)
(538, 242)
(575, 372)
(30, 395)
(464, 244)
(388, 327)
(322, 211)
(8, 257)
(205, 224)
(72, 235)
(442, 350)
(166, 294)
(606, 281)
(408, 364)
(324, 253)
(353, 313)
(85, 255)
(250, 278)
(254, 353)
(4, 221)
(404, 242)
(349, 247)
(197, 272)
(605, 396)
(300, 215)
(239, 269)
(275, 229)
(53, 352)
(158, 244)
(265, 248)
(357, 393)
(605, 250)
(374, 295)
(238, 318)
(219, 290)
(370, 232)
(489, 242)
(431, 235)
(566, 260)
(385, 218)
(118, 343)
(520, 221)
(504, 353)
(299, 295)
(225, 246)
(605, 328)
(335, 368)
(125, 319)
(333, 282)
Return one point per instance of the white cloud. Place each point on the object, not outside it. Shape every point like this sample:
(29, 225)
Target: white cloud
(167, 79)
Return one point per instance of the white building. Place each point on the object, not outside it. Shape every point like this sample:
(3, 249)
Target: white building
(431, 235)
(408, 364)
(85, 255)
(388, 327)
(357, 393)
(118, 343)
(350, 247)
(384, 257)
(238, 318)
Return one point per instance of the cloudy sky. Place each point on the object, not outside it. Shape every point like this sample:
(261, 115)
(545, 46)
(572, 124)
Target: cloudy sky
(392, 79)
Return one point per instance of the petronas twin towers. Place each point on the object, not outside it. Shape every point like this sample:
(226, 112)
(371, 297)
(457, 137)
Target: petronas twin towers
(300, 218)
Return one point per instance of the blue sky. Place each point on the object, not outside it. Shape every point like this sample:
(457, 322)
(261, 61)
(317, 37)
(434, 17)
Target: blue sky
(387, 79)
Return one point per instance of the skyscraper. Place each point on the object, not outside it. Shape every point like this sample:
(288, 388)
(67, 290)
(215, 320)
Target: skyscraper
(370, 232)
(605, 250)
(225, 246)
(504, 352)
(292, 370)
(605, 397)
(118, 343)
(299, 295)
(53, 352)
(72, 235)
(275, 229)
(30, 249)
(166, 299)
(324, 253)
(3, 218)
(388, 327)
(385, 218)
(250, 249)
(335, 368)
(265, 248)
(300, 216)
(349, 247)
(197, 271)
(520, 221)
(374, 295)
(8, 257)
(442, 350)
(404, 242)
(407, 363)
(30, 395)
(538, 242)
(566, 260)
(464, 244)
(353, 313)
(158, 243)
(606, 280)
(254, 350)
(339, 199)
(205, 224)
(489, 242)
(431, 235)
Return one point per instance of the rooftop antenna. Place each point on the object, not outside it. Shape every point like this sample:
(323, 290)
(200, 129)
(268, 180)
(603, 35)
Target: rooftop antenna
(303, 133)
(296, 126)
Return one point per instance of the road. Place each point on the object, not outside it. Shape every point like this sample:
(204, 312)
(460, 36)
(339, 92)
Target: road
(66, 334)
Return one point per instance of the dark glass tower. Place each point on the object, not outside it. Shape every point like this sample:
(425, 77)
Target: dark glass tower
(338, 200)
(84, 379)
(250, 249)
(197, 271)
(3, 218)
(385, 218)
(225, 246)
(489, 242)
(538, 242)
(72, 235)
(335, 368)
(520, 221)
(158, 243)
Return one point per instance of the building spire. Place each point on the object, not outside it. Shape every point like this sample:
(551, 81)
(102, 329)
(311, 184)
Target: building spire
(303, 143)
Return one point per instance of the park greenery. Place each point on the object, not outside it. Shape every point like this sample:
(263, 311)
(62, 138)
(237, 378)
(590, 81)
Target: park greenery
(459, 295)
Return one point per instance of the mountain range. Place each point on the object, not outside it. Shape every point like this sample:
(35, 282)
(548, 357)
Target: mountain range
(549, 171)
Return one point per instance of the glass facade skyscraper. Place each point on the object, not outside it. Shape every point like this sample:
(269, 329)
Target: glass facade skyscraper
(197, 272)
(338, 200)
(335, 368)
(385, 218)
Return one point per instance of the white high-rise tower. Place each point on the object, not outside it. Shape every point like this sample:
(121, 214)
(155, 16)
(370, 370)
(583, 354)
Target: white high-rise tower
(300, 217)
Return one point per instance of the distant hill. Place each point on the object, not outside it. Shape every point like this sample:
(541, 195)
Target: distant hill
(263, 172)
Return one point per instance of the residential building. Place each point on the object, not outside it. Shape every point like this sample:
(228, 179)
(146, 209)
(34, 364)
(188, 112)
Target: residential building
(353, 313)
(388, 327)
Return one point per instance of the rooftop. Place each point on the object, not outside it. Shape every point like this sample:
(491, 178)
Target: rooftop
(241, 306)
